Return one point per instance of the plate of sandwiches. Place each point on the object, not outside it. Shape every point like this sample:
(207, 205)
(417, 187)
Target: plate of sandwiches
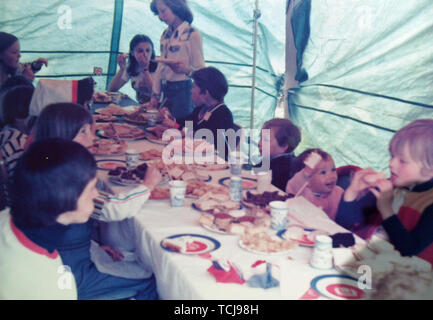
(104, 117)
(234, 222)
(151, 154)
(247, 183)
(260, 241)
(190, 244)
(107, 147)
(216, 203)
(120, 131)
(160, 193)
(153, 136)
(305, 237)
(113, 110)
(211, 166)
(196, 189)
(139, 118)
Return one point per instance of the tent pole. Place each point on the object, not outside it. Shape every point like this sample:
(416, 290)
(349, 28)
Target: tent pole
(257, 15)
(115, 39)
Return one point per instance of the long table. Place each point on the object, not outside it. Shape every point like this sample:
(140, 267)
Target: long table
(186, 277)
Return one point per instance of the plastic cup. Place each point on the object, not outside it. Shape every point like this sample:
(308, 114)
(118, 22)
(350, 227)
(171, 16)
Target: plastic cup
(279, 211)
(152, 117)
(177, 192)
(132, 158)
(236, 160)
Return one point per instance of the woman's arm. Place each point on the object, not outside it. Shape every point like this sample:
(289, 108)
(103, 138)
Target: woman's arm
(120, 78)
(117, 82)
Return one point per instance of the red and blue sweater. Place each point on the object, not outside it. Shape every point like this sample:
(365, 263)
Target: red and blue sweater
(410, 231)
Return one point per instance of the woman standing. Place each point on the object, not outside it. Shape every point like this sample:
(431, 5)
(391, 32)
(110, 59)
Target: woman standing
(183, 45)
(140, 69)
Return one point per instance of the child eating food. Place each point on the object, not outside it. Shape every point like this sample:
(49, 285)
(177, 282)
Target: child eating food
(404, 201)
(316, 180)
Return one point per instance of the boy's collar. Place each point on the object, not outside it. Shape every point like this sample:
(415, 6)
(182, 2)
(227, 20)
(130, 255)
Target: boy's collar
(287, 154)
(424, 186)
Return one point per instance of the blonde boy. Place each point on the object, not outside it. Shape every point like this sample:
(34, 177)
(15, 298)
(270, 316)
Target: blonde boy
(405, 200)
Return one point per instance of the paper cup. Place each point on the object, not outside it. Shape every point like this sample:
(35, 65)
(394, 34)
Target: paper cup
(177, 192)
(279, 211)
(322, 254)
(152, 117)
(264, 179)
(132, 158)
(115, 97)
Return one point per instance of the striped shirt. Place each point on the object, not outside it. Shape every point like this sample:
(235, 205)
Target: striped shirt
(109, 207)
(12, 143)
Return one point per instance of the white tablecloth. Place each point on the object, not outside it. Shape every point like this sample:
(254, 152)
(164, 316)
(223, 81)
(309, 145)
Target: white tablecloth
(186, 277)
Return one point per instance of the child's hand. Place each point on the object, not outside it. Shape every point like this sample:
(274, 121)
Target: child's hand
(116, 255)
(311, 163)
(361, 181)
(383, 191)
(152, 178)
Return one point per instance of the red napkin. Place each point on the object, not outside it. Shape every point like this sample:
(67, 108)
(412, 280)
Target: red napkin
(311, 294)
(224, 276)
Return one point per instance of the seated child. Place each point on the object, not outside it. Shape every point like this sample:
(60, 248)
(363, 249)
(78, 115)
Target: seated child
(15, 115)
(404, 201)
(276, 148)
(317, 180)
(51, 229)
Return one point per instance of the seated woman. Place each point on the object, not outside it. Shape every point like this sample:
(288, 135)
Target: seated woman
(15, 114)
(139, 68)
(50, 231)
(9, 59)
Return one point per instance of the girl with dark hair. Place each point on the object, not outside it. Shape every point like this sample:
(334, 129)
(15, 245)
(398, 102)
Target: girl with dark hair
(47, 237)
(139, 68)
(10, 56)
(183, 45)
(65, 120)
(13, 136)
(74, 122)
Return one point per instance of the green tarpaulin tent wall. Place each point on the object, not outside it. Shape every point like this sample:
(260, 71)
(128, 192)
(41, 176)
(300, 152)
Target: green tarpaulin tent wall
(355, 71)
(364, 69)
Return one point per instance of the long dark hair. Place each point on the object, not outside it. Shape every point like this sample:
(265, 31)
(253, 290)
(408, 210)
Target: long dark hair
(16, 103)
(178, 7)
(133, 63)
(61, 120)
(50, 177)
(6, 40)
